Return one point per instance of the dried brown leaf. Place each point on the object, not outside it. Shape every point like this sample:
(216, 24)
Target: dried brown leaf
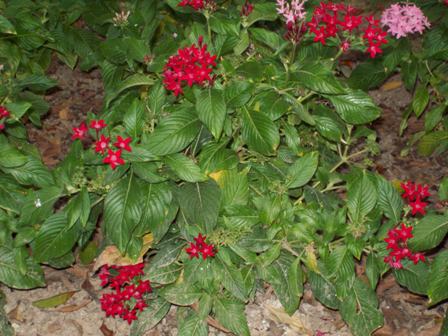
(106, 331)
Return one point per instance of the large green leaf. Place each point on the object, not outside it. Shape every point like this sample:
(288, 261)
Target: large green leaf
(232, 279)
(438, 279)
(55, 238)
(234, 186)
(174, 133)
(11, 157)
(429, 142)
(361, 199)
(122, 212)
(285, 276)
(6, 26)
(199, 204)
(429, 232)
(360, 309)
(301, 172)
(389, 200)
(355, 107)
(262, 11)
(340, 265)
(185, 168)
(317, 77)
(413, 277)
(211, 108)
(134, 119)
(420, 100)
(181, 294)
(192, 325)
(215, 157)
(230, 314)
(33, 172)
(132, 81)
(259, 132)
(11, 275)
(148, 319)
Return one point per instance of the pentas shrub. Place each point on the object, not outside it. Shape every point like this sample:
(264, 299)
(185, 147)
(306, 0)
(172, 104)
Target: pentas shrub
(231, 152)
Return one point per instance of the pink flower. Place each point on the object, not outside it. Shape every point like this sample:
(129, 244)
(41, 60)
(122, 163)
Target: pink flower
(292, 12)
(79, 132)
(404, 19)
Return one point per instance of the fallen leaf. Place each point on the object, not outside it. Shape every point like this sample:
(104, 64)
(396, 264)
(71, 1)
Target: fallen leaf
(64, 113)
(73, 307)
(106, 331)
(112, 256)
(54, 301)
(87, 286)
(16, 314)
(77, 326)
(279, 315)
(392, 85)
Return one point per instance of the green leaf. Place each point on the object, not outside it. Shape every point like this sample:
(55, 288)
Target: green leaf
(230, 314)
(18, 109)
(211, 108)
(55, 238)
(232, 279)
(438, 279)
(389, 200)
(301, 172)
(54, 301)
(79, 208)
(10, 157)
(433, 117)
(192, 325)
(429, 142)
(164, 275)
(259, 132)
(235, 187)
(122, 212)
(185, 168)
(33, 172)
(413, 277)
(420, 100)
(323, 289)
(360, 310)
(272, 104)
(215, 157)
(317, 77)
(6, 26)
(340, 264)
(131, 81)
(443, 189)
(328, 128)
(150, 317)
(199, 204)
(157, 98)
(243, 43)
(174, 133)
(373, 70)
(11, 276)
(356, 107)
(262, 11)
(36, 83)
(181, 294)
(372, 270)
(134, 119)
(285, 276)
(361, 199)
(429, 232)
(271, 39)
(237, 93)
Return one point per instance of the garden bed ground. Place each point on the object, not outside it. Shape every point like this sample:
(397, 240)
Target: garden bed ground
(79, 93)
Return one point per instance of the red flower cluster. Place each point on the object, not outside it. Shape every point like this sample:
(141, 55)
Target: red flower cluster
(415, 194)
(196, 4)
(339, 21)
(397, 242)
(113, 158)
(191, 65)
(130, 291)
(247, 8)
(201, 247)
(4, 113)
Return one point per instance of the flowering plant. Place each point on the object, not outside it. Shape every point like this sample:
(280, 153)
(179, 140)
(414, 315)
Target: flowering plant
(230, 144)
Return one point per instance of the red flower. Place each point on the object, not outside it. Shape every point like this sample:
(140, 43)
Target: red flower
(417, 257)
(2, 127)
(207, 251)
(374, 49)
(102, 144)
(196, 4)
(193, 251)
(418, 207)
(4, 113)
(129, 316)
(123, 143)
(397, 242)
(247, 8)
(191, 65)
(97, 124)
(200, 240)
(113, 158)
(80, 131)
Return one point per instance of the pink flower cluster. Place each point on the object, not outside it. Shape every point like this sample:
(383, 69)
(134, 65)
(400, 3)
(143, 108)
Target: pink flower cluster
(339, 21)
(4, 113)
(415, 194)
(191, 65)
(201, 247)
(397, 242)
(292, 12)
(113, 158)
(403, 19)
(129, 291)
